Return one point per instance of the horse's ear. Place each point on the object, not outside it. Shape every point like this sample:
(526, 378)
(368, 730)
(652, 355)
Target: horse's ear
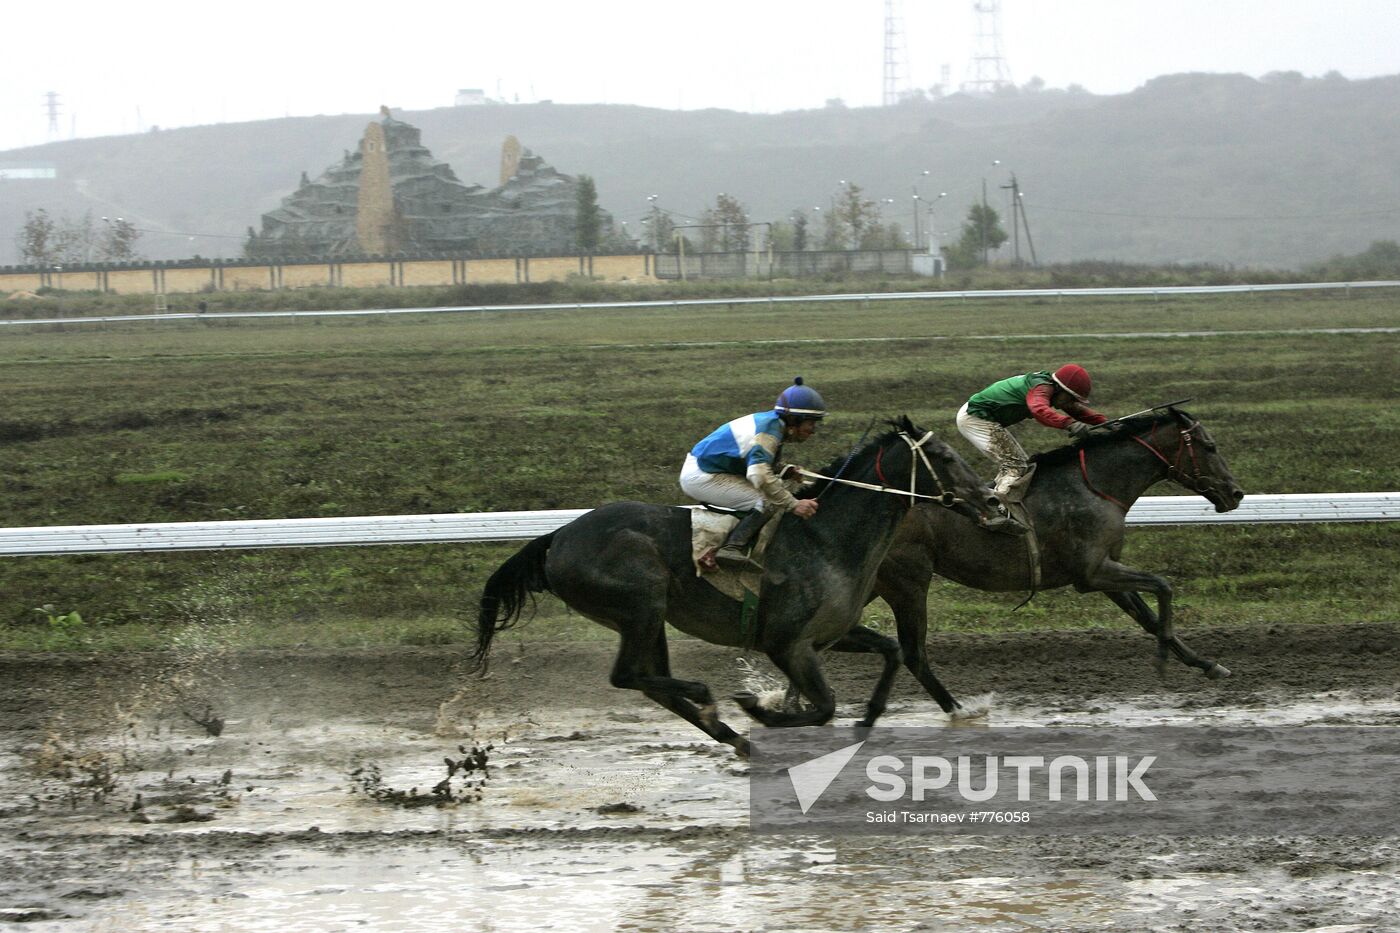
(906, 425)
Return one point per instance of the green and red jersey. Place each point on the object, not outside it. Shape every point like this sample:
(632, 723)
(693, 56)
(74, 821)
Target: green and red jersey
(1028, 396)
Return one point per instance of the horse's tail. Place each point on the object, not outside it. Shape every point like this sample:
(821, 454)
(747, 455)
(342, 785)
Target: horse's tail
(506, 592)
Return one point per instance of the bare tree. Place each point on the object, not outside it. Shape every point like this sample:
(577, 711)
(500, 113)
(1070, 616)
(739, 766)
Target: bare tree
(44, 239)
(37, 238)
(855, 215)
(734, 235)
(118, 243)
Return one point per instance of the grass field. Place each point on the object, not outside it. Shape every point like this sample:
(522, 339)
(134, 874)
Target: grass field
(534, 410)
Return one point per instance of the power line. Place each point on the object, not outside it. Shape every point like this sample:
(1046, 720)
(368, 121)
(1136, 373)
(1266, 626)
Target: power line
(212, 236)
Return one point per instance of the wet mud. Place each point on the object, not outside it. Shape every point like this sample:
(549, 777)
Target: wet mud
(390, 790)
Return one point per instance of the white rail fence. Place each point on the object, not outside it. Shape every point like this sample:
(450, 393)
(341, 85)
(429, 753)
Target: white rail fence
(1124, 292)
(522, 526)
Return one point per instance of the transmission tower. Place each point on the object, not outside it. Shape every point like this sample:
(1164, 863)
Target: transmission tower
(988, 71)
(51, 106)
(895, 53)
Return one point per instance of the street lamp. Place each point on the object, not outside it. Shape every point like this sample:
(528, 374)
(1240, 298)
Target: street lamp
(982, 226)
(113, 227)
(917, 237)
(932, 233)
(655, 223)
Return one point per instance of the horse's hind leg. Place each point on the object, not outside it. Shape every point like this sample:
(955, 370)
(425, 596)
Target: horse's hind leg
(1135, 606)
(703, 719)
(803, 668)
(865, 640)
(643, 664)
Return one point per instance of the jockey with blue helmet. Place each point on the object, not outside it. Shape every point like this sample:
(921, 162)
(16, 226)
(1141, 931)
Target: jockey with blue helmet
(735, 466)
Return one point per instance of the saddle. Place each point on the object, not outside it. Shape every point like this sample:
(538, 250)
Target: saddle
(709, 527)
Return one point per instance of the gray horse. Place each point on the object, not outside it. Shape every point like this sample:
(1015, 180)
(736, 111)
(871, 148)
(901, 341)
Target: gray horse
(1077, 501)
(628, 566)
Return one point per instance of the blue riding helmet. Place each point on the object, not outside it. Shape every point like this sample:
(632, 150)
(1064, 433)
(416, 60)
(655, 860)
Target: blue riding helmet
(800, 400)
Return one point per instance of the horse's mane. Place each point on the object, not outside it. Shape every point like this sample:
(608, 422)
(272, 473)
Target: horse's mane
(861, 457)
(1124, 429)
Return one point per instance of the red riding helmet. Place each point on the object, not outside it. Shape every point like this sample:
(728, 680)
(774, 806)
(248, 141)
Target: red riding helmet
(1073, 379)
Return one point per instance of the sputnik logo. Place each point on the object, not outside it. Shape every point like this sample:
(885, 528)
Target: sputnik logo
(811, 778)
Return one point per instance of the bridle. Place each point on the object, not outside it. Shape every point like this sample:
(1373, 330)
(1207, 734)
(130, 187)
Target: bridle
(944, 497)
(1196, 481)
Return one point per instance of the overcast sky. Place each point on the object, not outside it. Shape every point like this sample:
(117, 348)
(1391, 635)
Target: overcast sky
(125, 67)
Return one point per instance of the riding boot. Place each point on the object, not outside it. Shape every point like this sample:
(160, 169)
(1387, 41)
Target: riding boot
(1005, 523)
(734, 555)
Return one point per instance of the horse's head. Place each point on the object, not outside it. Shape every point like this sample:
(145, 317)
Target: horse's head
(941, 473)
(1192, 458)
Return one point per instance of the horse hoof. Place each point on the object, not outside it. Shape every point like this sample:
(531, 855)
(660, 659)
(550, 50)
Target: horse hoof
(1217, 671)
(747, 700)
(741, 747)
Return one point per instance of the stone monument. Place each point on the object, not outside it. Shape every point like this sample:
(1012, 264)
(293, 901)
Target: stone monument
(391, 197)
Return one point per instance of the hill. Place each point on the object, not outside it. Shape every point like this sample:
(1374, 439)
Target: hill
(1188, 168)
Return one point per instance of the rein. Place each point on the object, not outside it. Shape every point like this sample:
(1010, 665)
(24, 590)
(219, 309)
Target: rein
(944, 497)
(1196, 482)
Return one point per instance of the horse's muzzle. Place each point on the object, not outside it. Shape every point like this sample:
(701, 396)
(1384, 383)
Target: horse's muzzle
(1229, 499)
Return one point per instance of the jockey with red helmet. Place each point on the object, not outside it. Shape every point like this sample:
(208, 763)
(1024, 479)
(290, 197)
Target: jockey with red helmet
(984, 418)
(734, 467)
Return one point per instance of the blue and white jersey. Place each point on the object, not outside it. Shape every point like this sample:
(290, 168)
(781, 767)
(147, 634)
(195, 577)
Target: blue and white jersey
(741, 444)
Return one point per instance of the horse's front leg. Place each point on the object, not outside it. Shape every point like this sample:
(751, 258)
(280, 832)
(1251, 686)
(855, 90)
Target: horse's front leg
(799, 661)
(866, 641)
(1133, 605)
(907, 597)
(1112, 577)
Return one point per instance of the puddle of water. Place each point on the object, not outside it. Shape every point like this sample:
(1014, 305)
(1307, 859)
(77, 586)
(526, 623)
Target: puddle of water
(556, 776)
(1340, 708)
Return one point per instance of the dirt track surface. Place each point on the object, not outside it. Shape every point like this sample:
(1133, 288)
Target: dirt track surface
(122, 810)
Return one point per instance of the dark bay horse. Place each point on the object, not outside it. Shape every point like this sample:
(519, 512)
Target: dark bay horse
(1077, 501)
(628, 566)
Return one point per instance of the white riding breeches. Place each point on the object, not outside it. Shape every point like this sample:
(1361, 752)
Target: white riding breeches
(997, 443)
(723, 489)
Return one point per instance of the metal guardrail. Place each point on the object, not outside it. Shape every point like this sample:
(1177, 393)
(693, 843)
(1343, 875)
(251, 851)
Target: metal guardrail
(522, 526)
(1152, 292)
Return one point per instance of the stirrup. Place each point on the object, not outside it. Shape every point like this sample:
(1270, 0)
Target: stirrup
(706, 563)
(733, 558)
(1005, 523)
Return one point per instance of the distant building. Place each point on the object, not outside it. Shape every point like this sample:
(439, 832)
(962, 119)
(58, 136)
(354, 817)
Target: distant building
(30, 171)
(391, 196)
(469, 97)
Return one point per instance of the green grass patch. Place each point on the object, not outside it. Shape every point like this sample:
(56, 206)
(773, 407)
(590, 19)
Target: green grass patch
(160, 476)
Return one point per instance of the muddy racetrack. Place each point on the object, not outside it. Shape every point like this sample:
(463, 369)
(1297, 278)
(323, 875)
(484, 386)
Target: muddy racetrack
(206, 790)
